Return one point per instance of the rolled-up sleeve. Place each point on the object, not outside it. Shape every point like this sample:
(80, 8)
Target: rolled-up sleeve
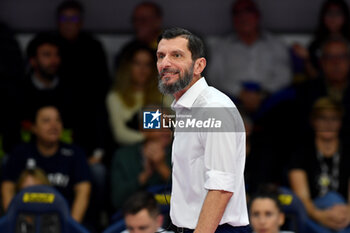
(218, 180)
(224, 158)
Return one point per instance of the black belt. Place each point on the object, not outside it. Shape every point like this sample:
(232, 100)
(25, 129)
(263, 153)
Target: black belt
(179, 229)
(183, 230)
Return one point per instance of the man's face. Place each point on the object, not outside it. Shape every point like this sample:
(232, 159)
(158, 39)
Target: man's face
(48, 125)
(251, 100)
(69, 24)
(334, 19)
(146, 22)
(245, 17)
(46, 61)
(142, 222)
(174, 64)
(335, 61)
(327, 124)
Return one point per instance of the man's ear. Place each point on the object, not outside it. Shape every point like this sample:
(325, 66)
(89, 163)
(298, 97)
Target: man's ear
(160, 220)
(199, 66)
(281, 219)
(33, 129)
(33, 62)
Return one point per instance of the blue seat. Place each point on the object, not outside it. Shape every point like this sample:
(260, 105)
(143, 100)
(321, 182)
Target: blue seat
(39, 209)
(294, 210)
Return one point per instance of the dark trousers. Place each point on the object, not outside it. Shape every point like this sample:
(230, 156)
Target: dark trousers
(224, 228)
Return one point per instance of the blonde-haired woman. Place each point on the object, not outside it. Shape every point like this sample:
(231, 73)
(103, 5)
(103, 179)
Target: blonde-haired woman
(136, 86)
(31, 177)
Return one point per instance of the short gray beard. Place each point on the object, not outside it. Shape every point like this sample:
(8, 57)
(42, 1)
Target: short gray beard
(177, 86)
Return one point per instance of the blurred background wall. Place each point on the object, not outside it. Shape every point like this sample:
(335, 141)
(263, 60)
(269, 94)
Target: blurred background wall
(204, 16)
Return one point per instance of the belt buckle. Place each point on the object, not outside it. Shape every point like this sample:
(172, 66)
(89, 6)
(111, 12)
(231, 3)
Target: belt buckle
(180, 230)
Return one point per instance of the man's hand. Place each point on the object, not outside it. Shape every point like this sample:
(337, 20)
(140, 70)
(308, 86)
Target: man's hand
(96, 156)
(93, 160)
(300, 51)
(146, 173)
(336, 217)
(155, 152)
(81, 200)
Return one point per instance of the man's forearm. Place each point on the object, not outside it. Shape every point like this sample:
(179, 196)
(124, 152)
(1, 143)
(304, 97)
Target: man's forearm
(81, 201)
(8, 192)
(212, 211)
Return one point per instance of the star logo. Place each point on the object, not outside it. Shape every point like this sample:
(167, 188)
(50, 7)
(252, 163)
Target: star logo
(156, 115)
(151, 120)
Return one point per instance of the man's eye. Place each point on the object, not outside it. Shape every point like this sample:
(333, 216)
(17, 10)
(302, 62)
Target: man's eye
(177, 55)
(255, 215)
(45, 120)
(269, 214)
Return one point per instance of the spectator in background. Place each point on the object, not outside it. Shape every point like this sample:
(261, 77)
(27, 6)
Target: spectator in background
(147, 20)
(135, 87)
(319, 171)
(84, 67)
(333, 81)
(31, 177)
(266, 215)
(249, 55)
(333, 20)
(64, 164)
(142, 214)
(141, 166)
(43, 85)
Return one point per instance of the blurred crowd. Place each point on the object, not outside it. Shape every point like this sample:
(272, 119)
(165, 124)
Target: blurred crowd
(68, 122)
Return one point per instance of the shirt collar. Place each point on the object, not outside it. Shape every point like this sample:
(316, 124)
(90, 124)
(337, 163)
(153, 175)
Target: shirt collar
(39, 85)
(189, 97)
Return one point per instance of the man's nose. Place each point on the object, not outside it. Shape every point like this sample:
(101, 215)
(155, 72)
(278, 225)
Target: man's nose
(53, 125)
(262, 221)
(165, 62)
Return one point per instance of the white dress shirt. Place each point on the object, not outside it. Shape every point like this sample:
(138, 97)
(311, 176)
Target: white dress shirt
(205, 161)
